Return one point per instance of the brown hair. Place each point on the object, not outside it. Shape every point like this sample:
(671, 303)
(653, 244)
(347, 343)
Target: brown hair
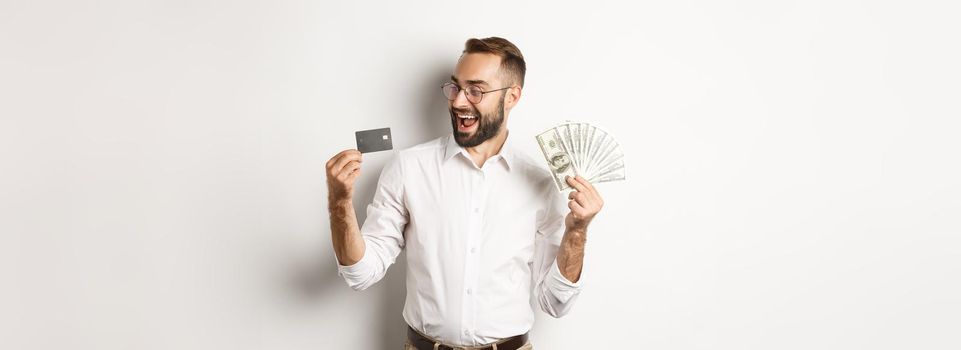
(512, 61)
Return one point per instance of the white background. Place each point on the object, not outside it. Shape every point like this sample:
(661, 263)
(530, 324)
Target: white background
(793, 167)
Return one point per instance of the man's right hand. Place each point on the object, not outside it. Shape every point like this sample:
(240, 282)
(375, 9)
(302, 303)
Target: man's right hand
(342, 170)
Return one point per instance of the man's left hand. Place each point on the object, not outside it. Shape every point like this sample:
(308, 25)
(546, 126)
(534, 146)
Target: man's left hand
(584, 202)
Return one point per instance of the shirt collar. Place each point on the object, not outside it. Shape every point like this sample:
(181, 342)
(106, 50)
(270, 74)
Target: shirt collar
(507, 152)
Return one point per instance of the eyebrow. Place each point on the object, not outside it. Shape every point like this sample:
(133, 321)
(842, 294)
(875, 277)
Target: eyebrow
(471, 82)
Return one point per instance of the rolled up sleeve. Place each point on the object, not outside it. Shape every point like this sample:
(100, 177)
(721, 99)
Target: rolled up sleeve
(555, 294)
(382, 231)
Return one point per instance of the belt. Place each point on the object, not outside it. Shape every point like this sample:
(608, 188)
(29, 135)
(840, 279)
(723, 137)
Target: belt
(424, 343)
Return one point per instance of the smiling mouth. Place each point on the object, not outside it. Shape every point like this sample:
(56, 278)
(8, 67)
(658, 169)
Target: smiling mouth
(466, 121)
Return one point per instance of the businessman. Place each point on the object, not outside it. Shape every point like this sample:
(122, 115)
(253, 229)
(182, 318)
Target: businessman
(486, 232)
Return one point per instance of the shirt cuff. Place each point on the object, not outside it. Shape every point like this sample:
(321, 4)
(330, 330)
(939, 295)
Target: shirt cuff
(560, 286)
(356, 272)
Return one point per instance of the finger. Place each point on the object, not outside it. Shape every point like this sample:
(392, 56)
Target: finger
(349, 168)
(340, 155)
(333, 160)
(346, 157)
(576, 185)
(591, 191)
(576, 208)
(352, 176)
(582, 199)
(586, 184)
(589, 202)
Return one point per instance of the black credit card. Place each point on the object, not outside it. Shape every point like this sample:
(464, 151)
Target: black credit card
(374, 140)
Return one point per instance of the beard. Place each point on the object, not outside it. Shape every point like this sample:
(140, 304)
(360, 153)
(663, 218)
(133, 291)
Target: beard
(489, 125)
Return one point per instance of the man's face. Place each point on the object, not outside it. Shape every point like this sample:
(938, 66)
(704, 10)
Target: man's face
(475, 123)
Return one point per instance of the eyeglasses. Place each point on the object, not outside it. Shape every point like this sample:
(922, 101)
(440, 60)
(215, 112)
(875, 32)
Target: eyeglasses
(474, 94)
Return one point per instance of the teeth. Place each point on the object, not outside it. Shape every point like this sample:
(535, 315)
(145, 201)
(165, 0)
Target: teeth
(466, 116)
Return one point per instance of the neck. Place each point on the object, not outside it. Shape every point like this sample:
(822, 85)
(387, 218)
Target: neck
(480, 153)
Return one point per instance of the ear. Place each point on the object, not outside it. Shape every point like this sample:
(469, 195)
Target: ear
(513, 96)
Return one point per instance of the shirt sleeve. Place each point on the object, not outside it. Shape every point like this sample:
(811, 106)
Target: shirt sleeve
(382, 231)
(555, 293)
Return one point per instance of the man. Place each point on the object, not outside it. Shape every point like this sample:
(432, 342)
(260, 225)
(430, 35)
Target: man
(486, 232)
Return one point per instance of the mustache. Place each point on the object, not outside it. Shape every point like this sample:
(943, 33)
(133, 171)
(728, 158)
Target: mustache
(454, 112)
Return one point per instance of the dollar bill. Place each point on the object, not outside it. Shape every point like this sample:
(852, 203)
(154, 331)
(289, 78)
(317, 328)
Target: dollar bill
(559, 159)
(613, 172)
(612, 176)
(581, 149)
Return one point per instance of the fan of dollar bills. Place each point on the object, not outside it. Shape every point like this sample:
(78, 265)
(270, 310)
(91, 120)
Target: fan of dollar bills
(583, 149)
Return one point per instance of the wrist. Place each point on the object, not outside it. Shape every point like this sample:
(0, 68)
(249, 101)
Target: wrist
(577, 232)
(340, 203)
(579, 226)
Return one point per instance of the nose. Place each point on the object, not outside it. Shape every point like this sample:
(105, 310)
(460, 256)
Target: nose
(460, 99)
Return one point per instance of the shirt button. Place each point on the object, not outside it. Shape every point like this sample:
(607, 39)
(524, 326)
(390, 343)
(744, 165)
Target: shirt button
(476, 210)
(473, 250)
(468, 291)
(466, 332)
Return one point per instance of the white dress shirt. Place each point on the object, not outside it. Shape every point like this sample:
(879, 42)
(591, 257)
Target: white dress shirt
(481, 242)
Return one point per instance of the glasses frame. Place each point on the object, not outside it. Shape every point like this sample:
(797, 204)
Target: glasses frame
(461, 89)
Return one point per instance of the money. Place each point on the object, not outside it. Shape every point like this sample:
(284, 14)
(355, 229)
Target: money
(559, 159)
(581, 149)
